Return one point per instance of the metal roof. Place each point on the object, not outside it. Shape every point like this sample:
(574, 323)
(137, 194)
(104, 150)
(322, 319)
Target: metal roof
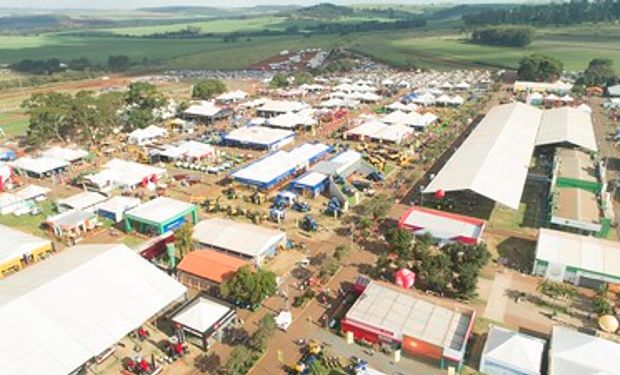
(576, 353)
(493, 161)
(583, 252)
(62, 312)
(514, 350)
(566, 125)
(159, 210)
(401, 313)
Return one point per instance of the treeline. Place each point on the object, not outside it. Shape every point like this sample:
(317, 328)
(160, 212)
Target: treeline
(115, 63)
(569, 13)
(322, 28)
(509, 36)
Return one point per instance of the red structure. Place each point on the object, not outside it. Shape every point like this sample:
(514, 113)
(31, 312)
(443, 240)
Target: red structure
(404, 278)
(446, 227)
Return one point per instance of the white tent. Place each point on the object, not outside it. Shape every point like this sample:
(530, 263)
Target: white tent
(284, 319)
(510, 352)
(67, 154)
(576, 353)
(14, 244)
(232, 96)
(62, 312)
(566, 125)
(147, 135)
(201, 315)
(493, 161)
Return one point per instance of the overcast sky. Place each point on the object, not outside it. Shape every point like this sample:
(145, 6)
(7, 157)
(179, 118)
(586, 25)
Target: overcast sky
(116, 4)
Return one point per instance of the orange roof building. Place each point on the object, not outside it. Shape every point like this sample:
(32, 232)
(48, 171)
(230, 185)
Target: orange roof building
(211, 265)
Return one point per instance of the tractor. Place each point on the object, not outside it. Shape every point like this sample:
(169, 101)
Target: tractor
(309, 224)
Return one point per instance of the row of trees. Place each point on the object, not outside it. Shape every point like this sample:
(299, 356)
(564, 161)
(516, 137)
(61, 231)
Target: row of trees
(555, 13)
(510, 36)
(115, 63)
(88, 118)
(243, 357)
(451, 270)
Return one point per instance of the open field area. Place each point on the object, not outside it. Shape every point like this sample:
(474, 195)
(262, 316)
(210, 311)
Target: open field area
(439, 48)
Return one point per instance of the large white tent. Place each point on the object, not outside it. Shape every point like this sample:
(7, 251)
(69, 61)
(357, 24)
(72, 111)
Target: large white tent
(566, 125)
(508, 352)
(58, 314)
(493, 161)
(576, 353)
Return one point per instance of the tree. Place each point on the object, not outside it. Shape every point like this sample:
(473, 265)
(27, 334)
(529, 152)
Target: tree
(465, 282)
(119, 63)
(143, 99)
(602, 306)
(538, 67)
(329, 267)
(266, 328)
(400, 242)
(436, 272)
(93, 118)
(511, 36)
(239, 361)
(279, 80)
(600, 72)
(183, 241)
(248, 286)
(363, 224)
(47, 117)
(378, 206)
(341, 252)
(302, 78)
(208, 89)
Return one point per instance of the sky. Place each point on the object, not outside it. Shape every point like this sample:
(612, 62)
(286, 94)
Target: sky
(129, 4)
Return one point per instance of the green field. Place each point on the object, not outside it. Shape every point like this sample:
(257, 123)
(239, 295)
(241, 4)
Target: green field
(439, 49)
(215, 26)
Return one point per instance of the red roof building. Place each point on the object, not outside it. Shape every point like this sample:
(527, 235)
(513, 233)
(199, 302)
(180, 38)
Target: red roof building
(204, 268)
(446, 227)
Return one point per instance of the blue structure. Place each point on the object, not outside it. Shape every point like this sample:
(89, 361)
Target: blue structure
(279, 167)
(311, 183)
(6, 154)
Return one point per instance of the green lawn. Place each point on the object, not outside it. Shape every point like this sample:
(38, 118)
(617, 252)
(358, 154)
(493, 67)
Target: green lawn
(13, 123)
(29, 223)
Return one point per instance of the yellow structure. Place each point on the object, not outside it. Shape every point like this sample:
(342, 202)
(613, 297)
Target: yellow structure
(18, 249)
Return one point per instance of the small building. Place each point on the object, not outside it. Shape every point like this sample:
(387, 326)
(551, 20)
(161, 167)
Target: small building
(123, 174)
(39, 167)
(114, 208)
(146, 136)
(378, 131)
(72, 224)
(311, 183)
(63, 312)
(22, 201)
(581, 260)
(70, 155)
(246, 241)
(386, 316)
(160, 215)
(576, 353)
(206, 111)
(231, 97)
(184, 150)
(259, 138)
(279, 167)
(613, 91)
(272, 108)
(205, 269)
(84, 201)
(18, 249)
(508, 352)
(204, 320)
(445, 227)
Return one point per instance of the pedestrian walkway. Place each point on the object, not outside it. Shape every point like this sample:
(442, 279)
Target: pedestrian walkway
(496, 305)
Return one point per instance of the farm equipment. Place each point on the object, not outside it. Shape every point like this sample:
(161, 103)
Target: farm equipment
(230, 193)
(376, 177)
(334, 208)
(309, 224)
(301, 206)
(212, 205)
(276, 214)
(258, 198)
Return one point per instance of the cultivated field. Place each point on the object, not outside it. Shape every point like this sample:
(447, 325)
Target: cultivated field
(440, 48)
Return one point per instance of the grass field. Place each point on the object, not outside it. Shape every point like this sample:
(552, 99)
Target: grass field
(439, 47)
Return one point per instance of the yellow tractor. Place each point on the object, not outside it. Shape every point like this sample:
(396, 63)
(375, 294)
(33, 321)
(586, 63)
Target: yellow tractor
(258, 198)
